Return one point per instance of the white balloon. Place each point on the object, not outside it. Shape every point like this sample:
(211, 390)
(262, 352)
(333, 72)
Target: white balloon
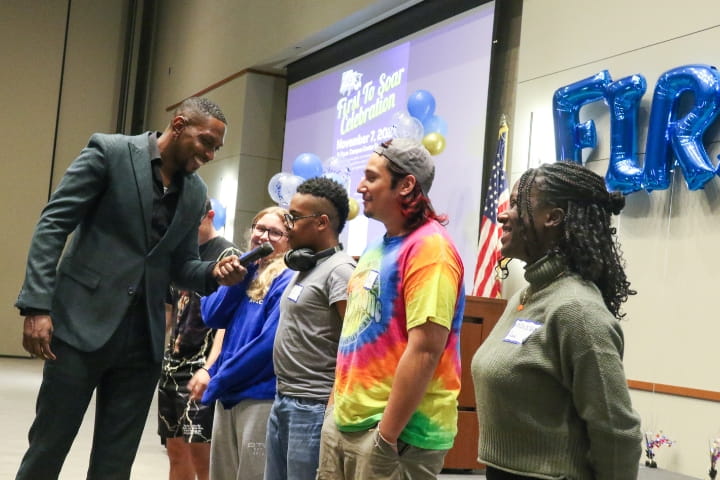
(336, 165)
(406, 126)
(343, 180)
(288, 188)
(399, 118)
(275, 186)
(337, 169)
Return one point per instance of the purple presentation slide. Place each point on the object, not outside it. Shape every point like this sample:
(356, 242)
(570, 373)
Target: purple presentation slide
(347, 110)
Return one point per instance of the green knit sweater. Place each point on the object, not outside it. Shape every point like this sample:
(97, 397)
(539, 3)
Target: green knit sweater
(552, 398)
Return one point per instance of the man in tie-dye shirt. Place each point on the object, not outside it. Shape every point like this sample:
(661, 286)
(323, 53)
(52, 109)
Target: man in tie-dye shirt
(398, 367)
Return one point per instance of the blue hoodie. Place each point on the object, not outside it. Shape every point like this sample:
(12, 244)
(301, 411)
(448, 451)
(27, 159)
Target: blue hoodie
(244, 368)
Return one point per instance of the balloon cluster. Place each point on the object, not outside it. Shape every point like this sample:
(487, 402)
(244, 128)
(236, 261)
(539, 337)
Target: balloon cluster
(421, 123)
(651, 443)
(282, 186)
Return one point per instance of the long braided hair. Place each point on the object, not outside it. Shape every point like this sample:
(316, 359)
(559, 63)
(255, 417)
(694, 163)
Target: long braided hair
(588, 241)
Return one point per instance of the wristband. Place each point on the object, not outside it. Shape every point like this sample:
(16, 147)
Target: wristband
(385, 440)
(206, 370)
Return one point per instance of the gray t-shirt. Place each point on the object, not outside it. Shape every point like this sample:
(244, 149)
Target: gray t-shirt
(307, 337)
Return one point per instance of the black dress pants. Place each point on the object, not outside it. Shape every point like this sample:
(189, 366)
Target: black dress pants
(123, 376)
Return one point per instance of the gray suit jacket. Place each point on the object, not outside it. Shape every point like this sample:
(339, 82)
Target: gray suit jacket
(105, 200)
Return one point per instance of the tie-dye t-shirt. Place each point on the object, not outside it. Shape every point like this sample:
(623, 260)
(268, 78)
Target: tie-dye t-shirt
(401, 283)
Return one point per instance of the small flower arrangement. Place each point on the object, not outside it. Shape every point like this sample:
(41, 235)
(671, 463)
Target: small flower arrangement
(653, 441)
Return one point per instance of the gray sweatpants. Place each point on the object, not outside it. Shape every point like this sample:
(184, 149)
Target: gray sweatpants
(237, 450)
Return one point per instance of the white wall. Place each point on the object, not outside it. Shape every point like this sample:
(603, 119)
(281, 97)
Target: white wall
(668, 237)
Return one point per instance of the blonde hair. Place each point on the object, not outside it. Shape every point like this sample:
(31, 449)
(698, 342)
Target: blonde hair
(271, 266)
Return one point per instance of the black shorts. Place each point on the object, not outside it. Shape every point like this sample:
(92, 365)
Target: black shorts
(180, 417)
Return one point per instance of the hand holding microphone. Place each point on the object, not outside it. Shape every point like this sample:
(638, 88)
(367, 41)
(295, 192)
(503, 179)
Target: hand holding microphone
(232, 270)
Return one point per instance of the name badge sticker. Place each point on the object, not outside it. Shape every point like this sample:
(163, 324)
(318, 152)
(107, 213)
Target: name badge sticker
(371, 279)
(521, 331)
(295, 293)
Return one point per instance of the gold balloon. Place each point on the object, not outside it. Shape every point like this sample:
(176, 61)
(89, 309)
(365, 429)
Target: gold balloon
(354, 208)
(434, 142)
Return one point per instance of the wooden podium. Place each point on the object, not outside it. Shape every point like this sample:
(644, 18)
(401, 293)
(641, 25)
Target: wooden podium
(481, 315)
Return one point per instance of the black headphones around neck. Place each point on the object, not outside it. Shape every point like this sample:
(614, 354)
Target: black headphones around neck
(304, 259)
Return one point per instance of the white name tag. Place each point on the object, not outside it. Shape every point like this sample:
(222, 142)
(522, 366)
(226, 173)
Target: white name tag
(295, 293)
(370, 280)
(521, 331)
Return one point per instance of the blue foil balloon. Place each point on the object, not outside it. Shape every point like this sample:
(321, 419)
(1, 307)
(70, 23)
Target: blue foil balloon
(681, 135)
(623, 97)
(421, 104)
(571, 136)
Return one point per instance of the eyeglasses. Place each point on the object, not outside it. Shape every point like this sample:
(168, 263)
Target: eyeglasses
(291, 219)
(273, 235)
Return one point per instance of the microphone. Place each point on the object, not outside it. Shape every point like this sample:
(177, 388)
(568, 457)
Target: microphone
(256, 253)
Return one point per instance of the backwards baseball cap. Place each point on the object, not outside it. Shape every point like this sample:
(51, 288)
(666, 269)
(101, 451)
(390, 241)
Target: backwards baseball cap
(411, 157)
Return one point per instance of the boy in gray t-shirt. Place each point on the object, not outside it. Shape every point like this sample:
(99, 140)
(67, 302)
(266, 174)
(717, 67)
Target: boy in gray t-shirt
(306, 342)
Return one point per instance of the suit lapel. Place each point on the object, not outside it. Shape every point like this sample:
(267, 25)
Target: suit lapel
(140, 159)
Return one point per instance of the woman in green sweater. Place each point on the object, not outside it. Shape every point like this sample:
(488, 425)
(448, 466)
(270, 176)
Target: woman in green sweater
(552, 398)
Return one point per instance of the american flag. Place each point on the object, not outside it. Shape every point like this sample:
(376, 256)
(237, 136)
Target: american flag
(487, 284)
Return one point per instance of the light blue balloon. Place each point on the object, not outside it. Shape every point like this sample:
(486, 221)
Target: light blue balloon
(435, 124)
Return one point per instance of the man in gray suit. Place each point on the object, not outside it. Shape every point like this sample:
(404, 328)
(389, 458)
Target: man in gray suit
(95, 311)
